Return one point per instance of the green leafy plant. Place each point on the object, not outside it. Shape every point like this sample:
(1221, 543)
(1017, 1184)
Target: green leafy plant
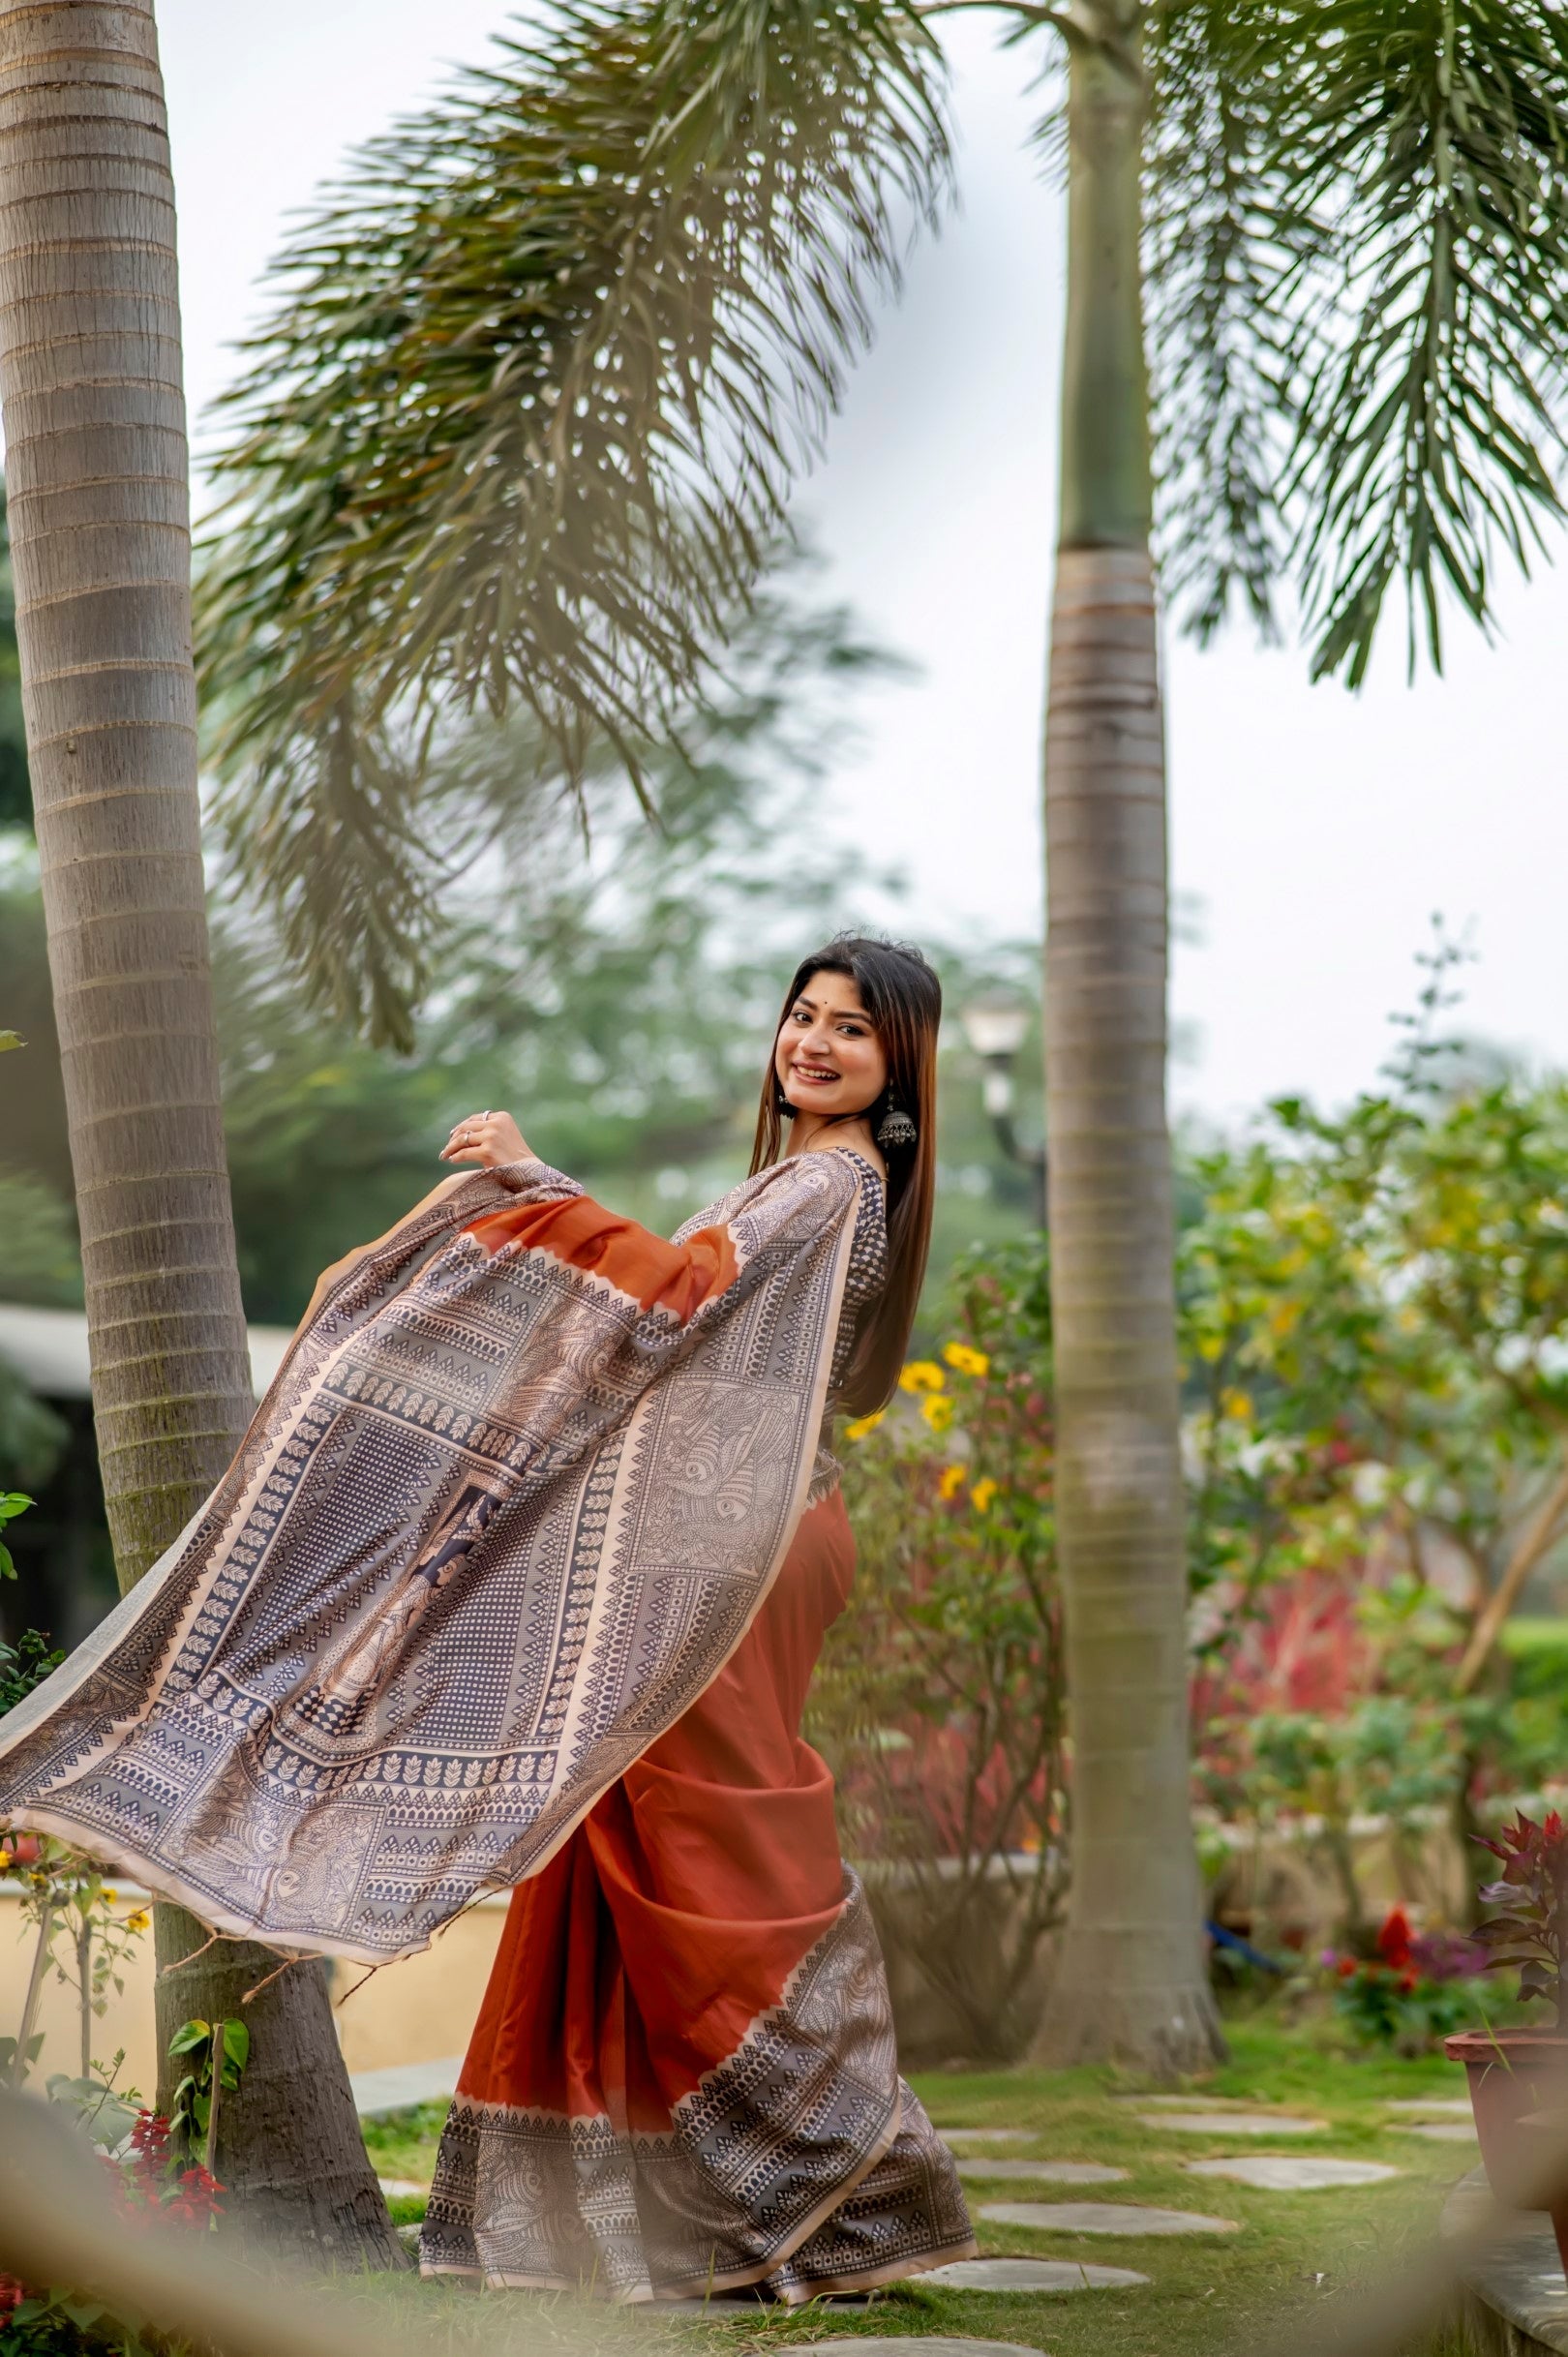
(11, 1504)
(215, 2054)
(61, 2323)
(23, 1666)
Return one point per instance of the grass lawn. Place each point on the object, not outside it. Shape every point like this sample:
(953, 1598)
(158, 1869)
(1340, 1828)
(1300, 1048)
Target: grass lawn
(1204, 2295)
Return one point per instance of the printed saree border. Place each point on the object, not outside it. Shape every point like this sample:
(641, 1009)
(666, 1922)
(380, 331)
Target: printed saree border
(732, 2278)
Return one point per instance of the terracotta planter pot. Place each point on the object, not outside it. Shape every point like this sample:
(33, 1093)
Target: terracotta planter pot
(1518, 2081)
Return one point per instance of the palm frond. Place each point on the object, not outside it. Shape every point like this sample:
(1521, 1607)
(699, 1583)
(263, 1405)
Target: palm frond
(1418, 167)
(521, 431)
(1212, 268)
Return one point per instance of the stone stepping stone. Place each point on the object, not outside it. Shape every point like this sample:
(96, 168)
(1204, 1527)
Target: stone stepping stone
(1232, 2123)
(938, 2345)
(1044, 2173)
(1293, 2172)
(1441, 2132)
(1442, 2107)
(1102, 2218)
(1030, 2274)
(987, 2135)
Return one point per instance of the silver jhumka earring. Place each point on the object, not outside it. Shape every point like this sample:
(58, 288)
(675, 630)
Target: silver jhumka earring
(895, 1128)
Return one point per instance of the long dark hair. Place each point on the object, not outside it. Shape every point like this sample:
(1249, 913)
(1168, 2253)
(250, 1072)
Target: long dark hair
(903, 998)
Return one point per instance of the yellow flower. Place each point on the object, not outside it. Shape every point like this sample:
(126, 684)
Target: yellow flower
(938, 1412)
(114, 1898)
(1237, 1405)
(921, 1374)
(966, 1360)
(952, 1482)
(981, 1494)
(138, 1922)
(864, 1425)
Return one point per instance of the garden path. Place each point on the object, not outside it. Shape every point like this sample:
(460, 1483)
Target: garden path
(1039, 2287)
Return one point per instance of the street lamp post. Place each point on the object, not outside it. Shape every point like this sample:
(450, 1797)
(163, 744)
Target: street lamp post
(995, 1028)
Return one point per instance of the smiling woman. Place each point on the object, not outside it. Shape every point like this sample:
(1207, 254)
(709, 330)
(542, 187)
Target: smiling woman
(683, 2076)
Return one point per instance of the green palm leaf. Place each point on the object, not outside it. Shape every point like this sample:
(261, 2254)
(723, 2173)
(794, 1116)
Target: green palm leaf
(521, 431)
(1419, 169)
(1359, 251)
(1213, 266)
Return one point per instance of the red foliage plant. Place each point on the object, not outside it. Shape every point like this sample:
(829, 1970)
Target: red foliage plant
(1532, 1894)
(1298, 1648)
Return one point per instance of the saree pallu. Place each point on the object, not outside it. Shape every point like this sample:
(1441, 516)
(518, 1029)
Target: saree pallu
(519, 1489)
(683, 2076)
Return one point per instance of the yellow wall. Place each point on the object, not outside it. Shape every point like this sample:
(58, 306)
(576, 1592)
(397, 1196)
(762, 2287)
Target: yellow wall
(419, 2010)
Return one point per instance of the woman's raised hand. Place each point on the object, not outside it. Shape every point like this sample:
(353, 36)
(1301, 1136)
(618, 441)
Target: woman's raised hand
(487, 1138)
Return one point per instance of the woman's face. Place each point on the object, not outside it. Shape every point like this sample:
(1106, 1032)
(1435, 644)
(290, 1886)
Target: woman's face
(827, 1057)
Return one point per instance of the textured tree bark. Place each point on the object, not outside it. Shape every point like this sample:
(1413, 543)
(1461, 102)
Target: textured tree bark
(1130, 1982)
(289, 2148)
(97, 480)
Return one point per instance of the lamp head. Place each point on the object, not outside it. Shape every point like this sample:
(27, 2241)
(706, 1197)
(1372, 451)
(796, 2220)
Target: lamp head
(995, 1026)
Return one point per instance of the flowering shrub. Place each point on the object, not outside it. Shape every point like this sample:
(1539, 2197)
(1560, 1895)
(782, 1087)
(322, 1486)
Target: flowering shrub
(939, 1701)
(68, 1899)
(148, 2183)
(78, 1934)
(1372, 1307)
(1413, 1993)
(151, 2181)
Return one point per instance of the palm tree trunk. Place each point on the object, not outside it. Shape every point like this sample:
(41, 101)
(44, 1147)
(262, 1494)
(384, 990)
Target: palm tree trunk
(97, 465)
(1130, 1982)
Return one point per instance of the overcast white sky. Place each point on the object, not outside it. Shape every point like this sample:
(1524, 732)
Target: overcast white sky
(1317, 831)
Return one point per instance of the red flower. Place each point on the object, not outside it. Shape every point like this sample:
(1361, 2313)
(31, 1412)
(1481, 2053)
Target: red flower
(1394, 1940)
(12, 2296)
(1346, 1968)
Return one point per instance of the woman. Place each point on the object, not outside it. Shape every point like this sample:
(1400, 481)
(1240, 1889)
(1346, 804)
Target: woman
(519, 1578)
(682, 2077)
